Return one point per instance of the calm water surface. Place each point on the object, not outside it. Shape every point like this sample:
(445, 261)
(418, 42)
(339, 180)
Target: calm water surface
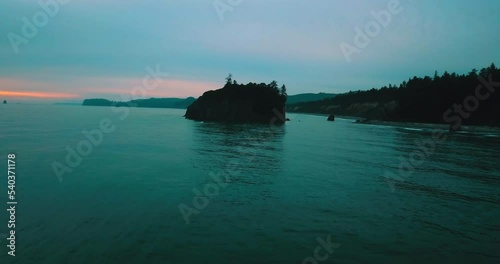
(289, 186)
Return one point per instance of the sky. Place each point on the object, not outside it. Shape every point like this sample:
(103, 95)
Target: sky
(75, 49)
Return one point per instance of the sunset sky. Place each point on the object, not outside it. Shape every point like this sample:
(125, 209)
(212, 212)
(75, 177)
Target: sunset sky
(93, 48)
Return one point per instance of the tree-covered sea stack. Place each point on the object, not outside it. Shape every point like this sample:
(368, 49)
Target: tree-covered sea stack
(241, 103)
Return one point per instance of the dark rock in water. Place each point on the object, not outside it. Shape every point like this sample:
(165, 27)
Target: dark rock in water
(331, 117)
(288, 119)
(4, 101)
(249, 103)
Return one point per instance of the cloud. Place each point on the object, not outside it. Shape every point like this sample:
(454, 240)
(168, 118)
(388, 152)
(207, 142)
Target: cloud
(25, 94)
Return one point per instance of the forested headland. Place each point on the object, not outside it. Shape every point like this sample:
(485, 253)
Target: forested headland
(443, 98)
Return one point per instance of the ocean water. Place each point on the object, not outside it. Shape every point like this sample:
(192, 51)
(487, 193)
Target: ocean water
(274, 193)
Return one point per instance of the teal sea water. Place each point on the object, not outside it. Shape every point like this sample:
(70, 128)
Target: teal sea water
(289, 187)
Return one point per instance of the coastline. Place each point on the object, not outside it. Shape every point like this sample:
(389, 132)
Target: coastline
(416, 125)
(444, 127)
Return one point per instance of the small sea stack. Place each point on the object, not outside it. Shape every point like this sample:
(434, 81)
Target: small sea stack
(331, 117)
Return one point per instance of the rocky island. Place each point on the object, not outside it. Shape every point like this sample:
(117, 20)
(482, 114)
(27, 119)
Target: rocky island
(241, 103)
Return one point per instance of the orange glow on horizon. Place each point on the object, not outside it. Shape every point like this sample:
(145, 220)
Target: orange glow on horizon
(37, 94)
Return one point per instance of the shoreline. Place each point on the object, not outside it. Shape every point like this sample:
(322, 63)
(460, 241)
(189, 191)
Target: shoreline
(405, 124)
(444, 127)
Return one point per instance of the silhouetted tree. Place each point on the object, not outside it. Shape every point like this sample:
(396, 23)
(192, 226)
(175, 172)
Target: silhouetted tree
(283, 90)
(274, 85)
(492, 67)
(483, 72)
(229, 79)
(473, 73)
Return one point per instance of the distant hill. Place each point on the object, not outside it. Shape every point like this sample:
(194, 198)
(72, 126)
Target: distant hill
(308, 97)
(451, 98)
(181, 103)
(69, 103)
